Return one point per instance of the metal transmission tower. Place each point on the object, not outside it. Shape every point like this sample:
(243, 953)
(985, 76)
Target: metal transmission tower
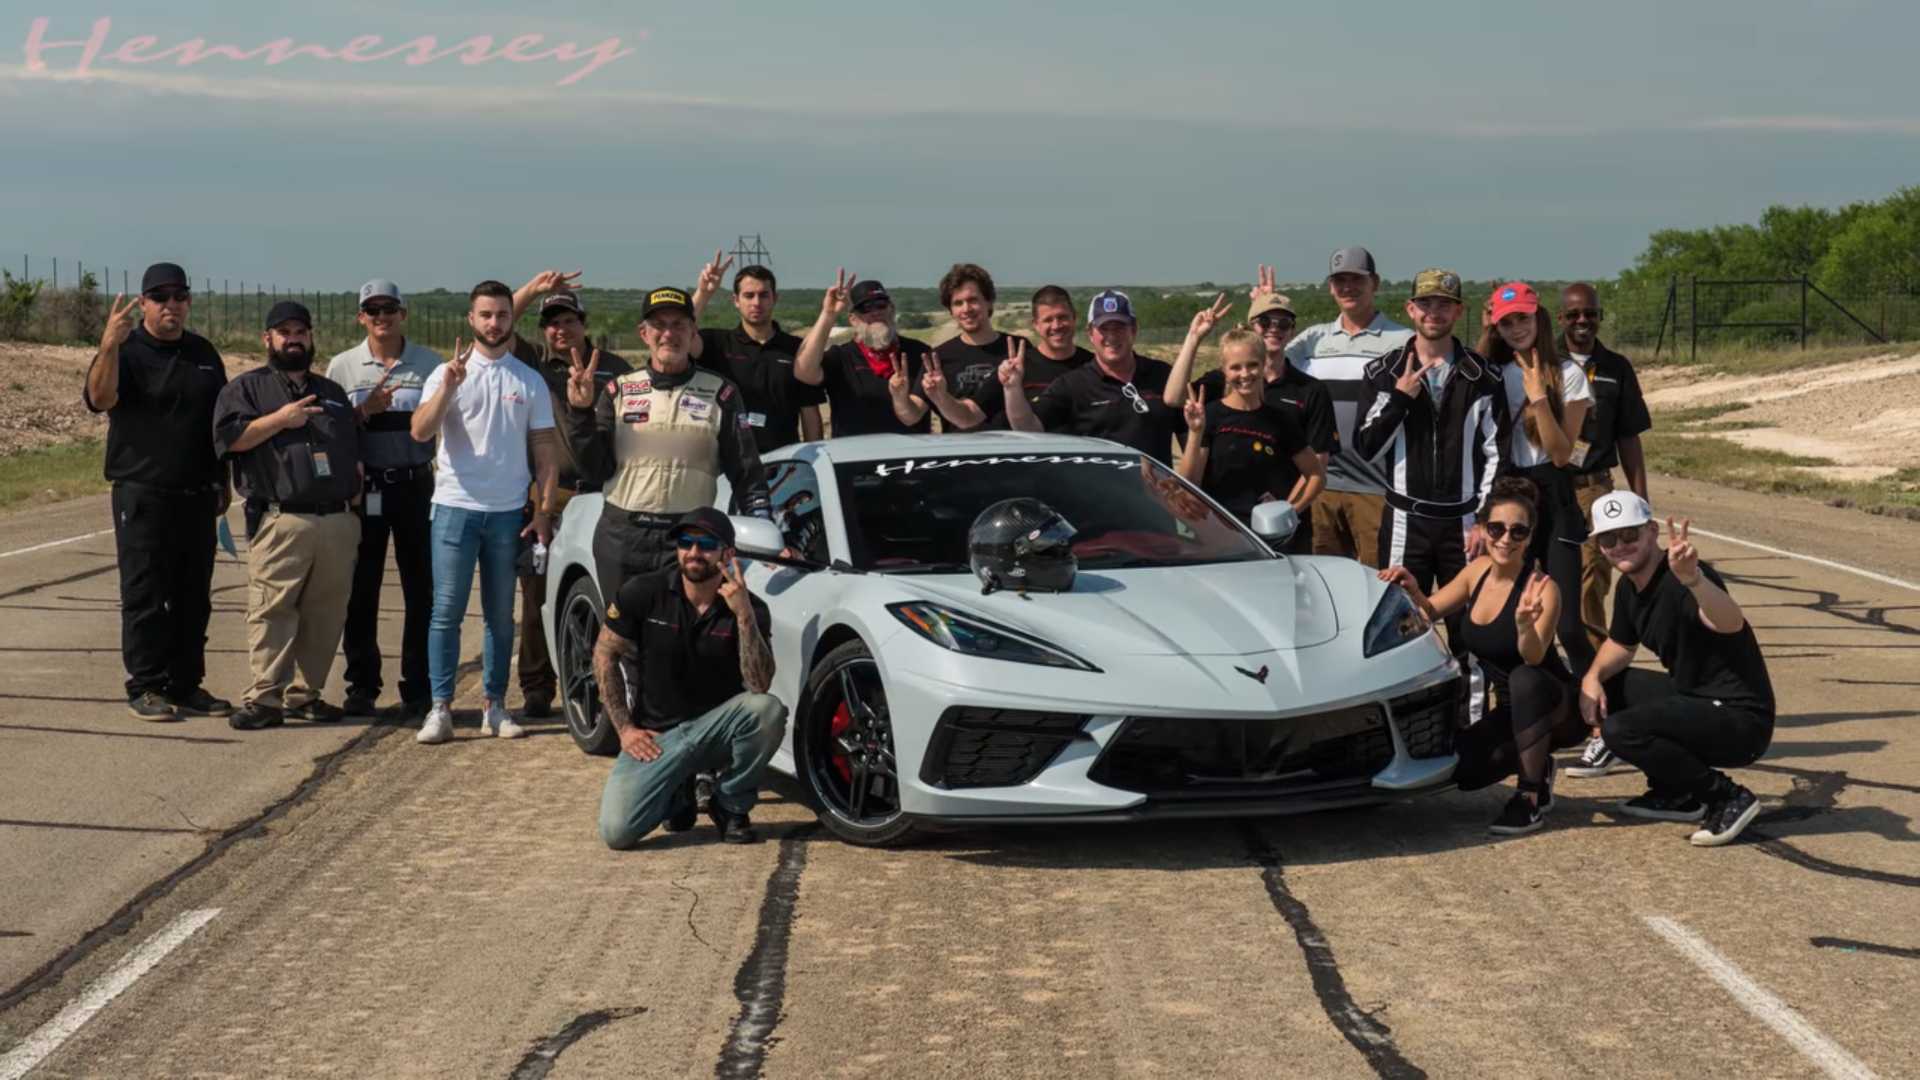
(750, 251)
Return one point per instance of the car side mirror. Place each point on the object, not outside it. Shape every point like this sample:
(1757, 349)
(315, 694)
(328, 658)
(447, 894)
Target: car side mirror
(757, 538)
(1275, 522)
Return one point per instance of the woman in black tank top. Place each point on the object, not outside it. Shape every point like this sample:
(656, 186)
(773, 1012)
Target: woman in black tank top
(1522, 703)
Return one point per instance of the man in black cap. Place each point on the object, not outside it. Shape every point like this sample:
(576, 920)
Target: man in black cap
(703, 645)
(383, 376)
(564, 349)
(873, 381)
(759, 357)
(659, 438)
(295, 443)
(157, 382)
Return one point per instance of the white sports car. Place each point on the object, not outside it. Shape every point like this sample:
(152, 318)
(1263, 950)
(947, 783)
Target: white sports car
(1190, 671)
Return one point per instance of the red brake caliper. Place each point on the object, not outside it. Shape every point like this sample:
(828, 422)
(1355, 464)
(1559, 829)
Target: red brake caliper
(842, 720)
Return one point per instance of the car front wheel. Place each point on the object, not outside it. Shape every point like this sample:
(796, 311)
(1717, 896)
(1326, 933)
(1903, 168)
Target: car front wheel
(576, 630)
(845, 752)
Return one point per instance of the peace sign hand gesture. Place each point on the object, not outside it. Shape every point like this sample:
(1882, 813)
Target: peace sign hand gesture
(457, 367)
(1207, 318)
(1683, 560)
(1533, 600)
(294, 413)
(733, 589)
(933, 380)
(712, 277)
(1268, 283)
(380, 397)
(547, 281)
(120, 322)
(580, 388)
(897, 383)
(1195, 411)
(838, 299)
(1013, 370)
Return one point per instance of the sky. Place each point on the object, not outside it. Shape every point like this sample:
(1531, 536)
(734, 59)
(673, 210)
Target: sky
(1125, 142)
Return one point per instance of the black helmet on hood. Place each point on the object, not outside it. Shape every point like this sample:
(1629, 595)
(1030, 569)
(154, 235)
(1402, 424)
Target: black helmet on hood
(1022, 544)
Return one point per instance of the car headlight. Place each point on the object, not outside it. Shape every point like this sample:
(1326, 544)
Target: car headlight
(1395, 621)
(976, 637)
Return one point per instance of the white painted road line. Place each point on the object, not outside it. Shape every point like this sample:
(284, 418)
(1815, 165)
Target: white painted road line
(50, 1035)
(1769, 1010)
(1815, 560)
(53, 544)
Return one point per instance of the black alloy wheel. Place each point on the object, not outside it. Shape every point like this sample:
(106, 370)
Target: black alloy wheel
(575, 632)
(846, 754)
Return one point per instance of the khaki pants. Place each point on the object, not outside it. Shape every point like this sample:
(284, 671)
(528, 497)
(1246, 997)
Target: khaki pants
(1596, 573)
(1348, 523)
(299, 578)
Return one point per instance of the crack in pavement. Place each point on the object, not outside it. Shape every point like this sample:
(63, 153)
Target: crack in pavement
(691, 908)
(539, 1061)
(1362, 1029)
(761, 983)
(1850, 945)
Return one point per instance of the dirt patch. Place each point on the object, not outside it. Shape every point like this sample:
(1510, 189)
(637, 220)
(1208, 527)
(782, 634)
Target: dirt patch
(1862, 415)
(42, 384)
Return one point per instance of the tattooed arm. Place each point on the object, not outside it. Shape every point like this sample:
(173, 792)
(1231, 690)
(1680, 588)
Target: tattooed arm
(608, 653)
(756, 655)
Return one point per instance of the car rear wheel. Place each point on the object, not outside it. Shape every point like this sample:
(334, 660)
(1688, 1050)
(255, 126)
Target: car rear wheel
(575, 631)
(844, 747)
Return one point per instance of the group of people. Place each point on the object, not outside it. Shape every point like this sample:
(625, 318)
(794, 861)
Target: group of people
(1468, 476)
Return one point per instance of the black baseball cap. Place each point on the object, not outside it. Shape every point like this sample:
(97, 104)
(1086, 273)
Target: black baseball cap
(867, 292)
(709, 521)
(666, 299)
(561, 303)
(288, 309)
(164, 276)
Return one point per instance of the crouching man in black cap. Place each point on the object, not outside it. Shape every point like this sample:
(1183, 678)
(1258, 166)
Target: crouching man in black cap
(295, 444)
(702, 643)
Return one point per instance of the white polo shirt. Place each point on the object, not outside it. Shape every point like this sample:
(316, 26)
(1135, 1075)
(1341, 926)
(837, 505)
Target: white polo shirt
(483, 459)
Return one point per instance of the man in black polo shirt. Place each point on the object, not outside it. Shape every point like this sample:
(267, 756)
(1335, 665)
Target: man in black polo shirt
(963, 381)
(157, 382)
(759, 357)
(1045, 355)
(1120, 396)
(295, 443)
(702, 643)
(872, 382)
(1714, 708)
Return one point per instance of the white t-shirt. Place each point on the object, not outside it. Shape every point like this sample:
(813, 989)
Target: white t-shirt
(1573, 387)
(483, 460)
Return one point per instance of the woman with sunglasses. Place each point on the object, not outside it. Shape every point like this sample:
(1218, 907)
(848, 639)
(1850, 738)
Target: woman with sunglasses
(1547, 398)
(1523, 703)
(1241, 450)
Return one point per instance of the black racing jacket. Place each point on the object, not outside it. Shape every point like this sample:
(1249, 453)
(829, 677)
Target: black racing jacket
(1441, 457)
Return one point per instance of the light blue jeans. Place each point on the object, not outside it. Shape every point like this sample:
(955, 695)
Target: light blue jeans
(462, 538)
(735, 740)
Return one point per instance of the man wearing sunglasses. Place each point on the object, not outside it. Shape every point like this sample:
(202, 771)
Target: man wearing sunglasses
(1120, 396)
(1609, 437)
(157, 382)
(1714, 706)
(873, 382)
(383, 376)
(701, 642)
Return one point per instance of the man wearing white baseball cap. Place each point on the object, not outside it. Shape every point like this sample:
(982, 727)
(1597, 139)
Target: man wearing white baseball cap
(1713, 708)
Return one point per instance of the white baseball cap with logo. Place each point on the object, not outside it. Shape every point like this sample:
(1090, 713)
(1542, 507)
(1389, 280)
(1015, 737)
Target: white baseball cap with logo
(1620, 510)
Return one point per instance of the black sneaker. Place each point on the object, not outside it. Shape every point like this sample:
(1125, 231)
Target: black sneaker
(362, 705)
(1657, 807)
(734, 828)
(414, 710)
(1520, 815)
(685, 814)
(149, 705)
(537, 706)
(1597, 760)
(253, 716)
(1727, 818)
(316, 712)
(703, 793)
(200, 703)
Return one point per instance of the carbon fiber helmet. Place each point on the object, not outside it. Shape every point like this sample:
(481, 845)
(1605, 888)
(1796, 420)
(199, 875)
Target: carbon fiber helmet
(1024, 545)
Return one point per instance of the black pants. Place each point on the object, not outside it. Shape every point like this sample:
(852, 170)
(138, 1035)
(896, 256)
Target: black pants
(1537, 713)
(165, 543)
(404, 508)
(1434, 550)
(1678, 740)
(625, 544)
(1558, 534)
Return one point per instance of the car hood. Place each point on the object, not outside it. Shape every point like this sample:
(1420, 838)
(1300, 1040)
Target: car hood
(1226, 609)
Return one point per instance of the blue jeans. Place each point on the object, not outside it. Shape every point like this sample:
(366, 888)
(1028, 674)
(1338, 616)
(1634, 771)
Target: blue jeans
(735, 739)
(460, 539)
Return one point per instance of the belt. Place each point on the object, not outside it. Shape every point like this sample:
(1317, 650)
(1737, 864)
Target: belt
(315, 508)
(1407, 504)
(389, 477)
(643, 517)
(1593, 479)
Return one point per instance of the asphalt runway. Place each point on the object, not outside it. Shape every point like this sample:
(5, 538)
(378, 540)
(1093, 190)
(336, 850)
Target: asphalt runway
(185, 899)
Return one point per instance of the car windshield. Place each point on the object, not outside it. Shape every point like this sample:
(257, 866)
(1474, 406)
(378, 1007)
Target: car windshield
(912, 515)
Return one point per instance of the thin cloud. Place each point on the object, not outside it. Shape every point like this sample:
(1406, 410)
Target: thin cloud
(1817, 125)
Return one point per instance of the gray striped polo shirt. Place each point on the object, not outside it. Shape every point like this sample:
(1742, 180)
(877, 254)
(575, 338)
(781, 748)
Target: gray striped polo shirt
(1339, 360)
(389, 442)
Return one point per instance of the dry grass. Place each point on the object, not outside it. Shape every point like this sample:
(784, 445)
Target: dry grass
(50, 474)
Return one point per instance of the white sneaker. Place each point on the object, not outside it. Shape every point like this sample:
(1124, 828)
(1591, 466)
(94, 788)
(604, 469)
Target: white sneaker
(438, 726)
(498, 720)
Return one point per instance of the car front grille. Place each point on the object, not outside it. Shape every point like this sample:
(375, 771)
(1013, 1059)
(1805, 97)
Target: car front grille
(1426, 719)
(974, 747)
(1211, 757)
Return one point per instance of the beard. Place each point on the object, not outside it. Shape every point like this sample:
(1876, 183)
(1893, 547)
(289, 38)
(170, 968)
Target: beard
(876, 335)
(493, 341)
(295, 358)
(698, 570)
